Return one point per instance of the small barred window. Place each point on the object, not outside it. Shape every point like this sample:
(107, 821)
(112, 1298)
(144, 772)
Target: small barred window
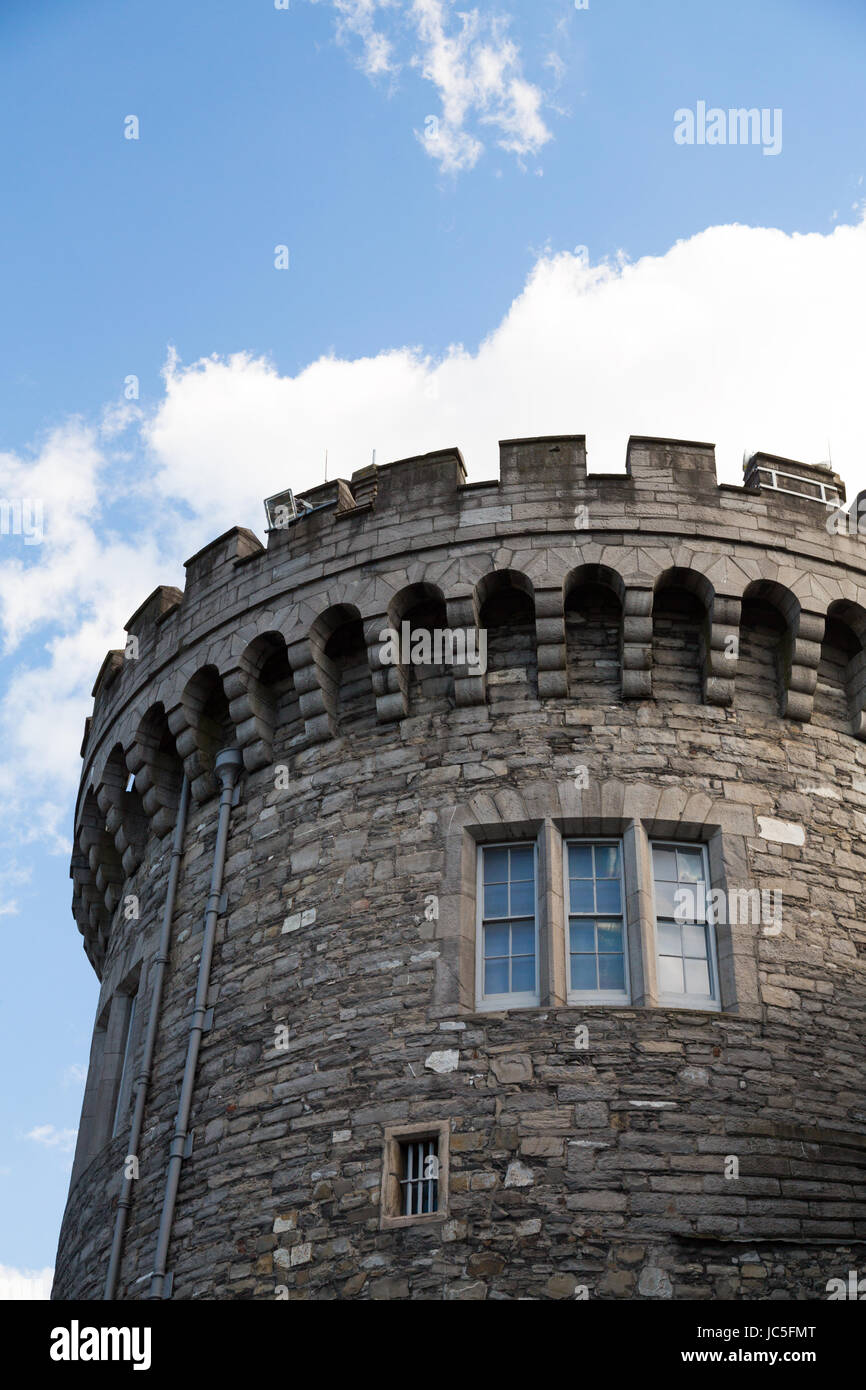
(415, 1174)
(419, 1183)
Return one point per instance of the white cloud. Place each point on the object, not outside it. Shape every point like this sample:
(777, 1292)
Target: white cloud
(51, 1138)
(63, 603)
(14, 875)
(75, 1074)
(25, 1284)
(356, 18)
(744, 336)
(467, 56)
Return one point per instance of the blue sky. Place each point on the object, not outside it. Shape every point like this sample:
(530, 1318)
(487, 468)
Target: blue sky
(435, 295)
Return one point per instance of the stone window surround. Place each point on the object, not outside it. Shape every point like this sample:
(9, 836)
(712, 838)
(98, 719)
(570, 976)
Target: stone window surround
(455, 988)
(105, 1070)
(390, 1217)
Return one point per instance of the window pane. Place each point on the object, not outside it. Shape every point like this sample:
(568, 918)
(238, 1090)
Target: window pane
(523, 938)
(581, 895)
(686, 902)
(607, 861)
(691, 865)
(670, 975)
(496, 900)
(523, 975)
(610, 936)
(496, 940)
(611, 972)
(495, 865)
(580, 861)
(496, 977)
(523, 899)
(583, 972)
(695, 942)
(670, 939)
(697, 977)
(522, 862)
(583, 936)
(665, 864)
(665, 899)
(607, 896)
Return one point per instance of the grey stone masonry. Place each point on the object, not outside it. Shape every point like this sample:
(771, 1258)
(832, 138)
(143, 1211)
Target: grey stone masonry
(665, 659)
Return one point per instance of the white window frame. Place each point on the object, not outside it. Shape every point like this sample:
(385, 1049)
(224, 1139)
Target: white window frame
(689, 1001)
(620, 998)
(496, 1002)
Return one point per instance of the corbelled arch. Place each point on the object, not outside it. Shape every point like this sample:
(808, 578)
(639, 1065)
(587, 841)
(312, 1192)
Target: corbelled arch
(97, 874)
(202, 725)
(121, 805)
(843, 663)
(681, 614)
(334, 679)
(263, 701)
(414, 614)
(795, 645)
(158, 768)
(505, 604)
(593, 597)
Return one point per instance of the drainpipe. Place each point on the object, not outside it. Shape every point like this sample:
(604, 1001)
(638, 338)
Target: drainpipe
(143, 1079)
(227, 768)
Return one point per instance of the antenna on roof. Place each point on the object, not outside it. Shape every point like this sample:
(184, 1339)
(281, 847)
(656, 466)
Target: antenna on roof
(374, 458)
(326, 465)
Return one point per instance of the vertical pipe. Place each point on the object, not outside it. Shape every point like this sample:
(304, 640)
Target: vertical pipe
(124, 1201)
(227, 767)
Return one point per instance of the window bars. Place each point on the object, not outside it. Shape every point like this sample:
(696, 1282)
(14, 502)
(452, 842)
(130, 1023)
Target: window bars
(419, 1181)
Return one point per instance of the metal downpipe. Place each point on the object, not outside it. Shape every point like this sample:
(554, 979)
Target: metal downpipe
(227, 768)
(124, 1201)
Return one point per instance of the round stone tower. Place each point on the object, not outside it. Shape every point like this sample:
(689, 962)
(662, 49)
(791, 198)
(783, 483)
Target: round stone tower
(473, 876)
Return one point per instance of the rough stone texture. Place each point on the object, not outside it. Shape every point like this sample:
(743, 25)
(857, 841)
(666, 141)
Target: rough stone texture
(593, 1173)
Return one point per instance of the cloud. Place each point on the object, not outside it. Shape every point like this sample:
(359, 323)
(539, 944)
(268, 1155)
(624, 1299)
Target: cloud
(470, 61)
(356, 19)
(30, 1284)
(63, 603)
(52, 1138)
(75, 1074)
(14, 875)
(744, 336)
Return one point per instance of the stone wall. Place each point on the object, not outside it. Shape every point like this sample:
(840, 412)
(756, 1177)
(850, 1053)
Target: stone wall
(594, 1170)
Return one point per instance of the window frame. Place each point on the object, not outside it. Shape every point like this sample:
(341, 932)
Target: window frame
(687, 1001)
(391, 1216)
(523, 999)
(603, 997)
(125, 1080)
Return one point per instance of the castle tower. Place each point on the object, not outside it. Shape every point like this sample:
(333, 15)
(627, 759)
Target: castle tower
(520, 956)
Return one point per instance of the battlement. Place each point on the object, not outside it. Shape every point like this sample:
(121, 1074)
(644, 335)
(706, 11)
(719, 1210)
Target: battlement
(257, 637)
(387, 507)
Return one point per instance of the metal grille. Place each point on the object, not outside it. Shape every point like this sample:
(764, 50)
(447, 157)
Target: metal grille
(420, 1176)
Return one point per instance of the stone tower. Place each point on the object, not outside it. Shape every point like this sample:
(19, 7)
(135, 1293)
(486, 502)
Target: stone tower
(522, 959)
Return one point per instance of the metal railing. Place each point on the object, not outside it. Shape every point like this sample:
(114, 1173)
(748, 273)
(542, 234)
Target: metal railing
(826, 492)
